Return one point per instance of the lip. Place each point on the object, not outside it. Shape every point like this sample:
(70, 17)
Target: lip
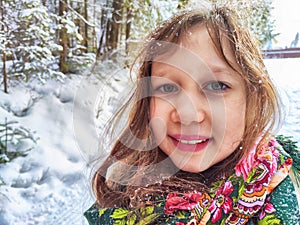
(192, 143)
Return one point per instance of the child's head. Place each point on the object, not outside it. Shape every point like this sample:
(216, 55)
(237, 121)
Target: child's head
(198, 102)
(210, 99)
(216, 36)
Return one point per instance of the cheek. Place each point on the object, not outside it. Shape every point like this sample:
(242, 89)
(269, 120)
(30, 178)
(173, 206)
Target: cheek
(228, 119)
(158, 121)
(235, 119)
(160, 109)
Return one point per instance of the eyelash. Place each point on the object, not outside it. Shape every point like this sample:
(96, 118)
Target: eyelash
(221, 86)
(217, 89)
(161, 89)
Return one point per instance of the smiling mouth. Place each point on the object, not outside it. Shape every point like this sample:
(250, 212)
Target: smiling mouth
(190, 144)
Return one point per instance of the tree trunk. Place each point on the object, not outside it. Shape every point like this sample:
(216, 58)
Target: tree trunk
(110, 27)
(86, 27)
(81, 24)
(94, 38)
(63, 67)
(4, 71)
(3, 53)
(103, 29)
(128, 28)
(113, 28)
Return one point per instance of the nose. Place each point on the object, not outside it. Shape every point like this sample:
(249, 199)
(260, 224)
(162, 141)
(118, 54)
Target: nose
(190, 108)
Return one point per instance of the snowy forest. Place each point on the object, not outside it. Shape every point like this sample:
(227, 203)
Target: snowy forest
(54, 54)
(52, 38)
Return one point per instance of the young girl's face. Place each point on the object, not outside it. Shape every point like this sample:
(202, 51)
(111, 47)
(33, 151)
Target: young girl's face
(198, 103)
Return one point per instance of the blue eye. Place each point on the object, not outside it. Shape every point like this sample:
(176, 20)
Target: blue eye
(167, 88)
(217, 86)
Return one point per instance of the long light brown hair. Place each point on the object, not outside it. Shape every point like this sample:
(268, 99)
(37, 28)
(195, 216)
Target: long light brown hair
(262, 110)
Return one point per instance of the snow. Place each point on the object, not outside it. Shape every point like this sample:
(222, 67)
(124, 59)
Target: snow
(287, 21)
(285, 74)
(51, 185)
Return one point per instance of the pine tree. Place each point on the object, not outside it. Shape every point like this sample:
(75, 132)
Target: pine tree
(31, 41)
(257, 13)
(262, 24)
(73, 56)
(5, 26)
(124, 23)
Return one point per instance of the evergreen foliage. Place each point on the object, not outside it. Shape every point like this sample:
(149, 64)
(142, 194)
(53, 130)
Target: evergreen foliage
(15, 141)
(31, 41)
(262, 25)
(46, 39)
(257, 13)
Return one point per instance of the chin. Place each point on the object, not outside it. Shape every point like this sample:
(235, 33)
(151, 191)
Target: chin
(192, 168)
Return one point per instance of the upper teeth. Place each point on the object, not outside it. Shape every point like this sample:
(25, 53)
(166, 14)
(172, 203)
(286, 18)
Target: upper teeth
(191, 142)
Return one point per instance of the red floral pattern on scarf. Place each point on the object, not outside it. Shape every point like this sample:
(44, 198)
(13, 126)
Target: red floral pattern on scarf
(258, 169)
(267, 208)
(175, 202)
(244, 194)
(222, 202)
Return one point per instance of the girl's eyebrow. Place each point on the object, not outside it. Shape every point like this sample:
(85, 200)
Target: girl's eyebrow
(225, 71)
(218, 69)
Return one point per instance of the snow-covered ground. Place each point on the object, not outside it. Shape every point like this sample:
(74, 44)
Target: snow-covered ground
(51, 185)
(286, 75)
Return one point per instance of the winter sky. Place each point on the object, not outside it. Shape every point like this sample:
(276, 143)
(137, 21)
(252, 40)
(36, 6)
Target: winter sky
(286, 14)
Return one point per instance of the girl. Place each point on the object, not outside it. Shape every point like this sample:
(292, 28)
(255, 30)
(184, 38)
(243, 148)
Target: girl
(198, 147)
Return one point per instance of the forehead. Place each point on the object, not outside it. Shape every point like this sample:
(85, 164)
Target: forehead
(195, 52)
(212, 45)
